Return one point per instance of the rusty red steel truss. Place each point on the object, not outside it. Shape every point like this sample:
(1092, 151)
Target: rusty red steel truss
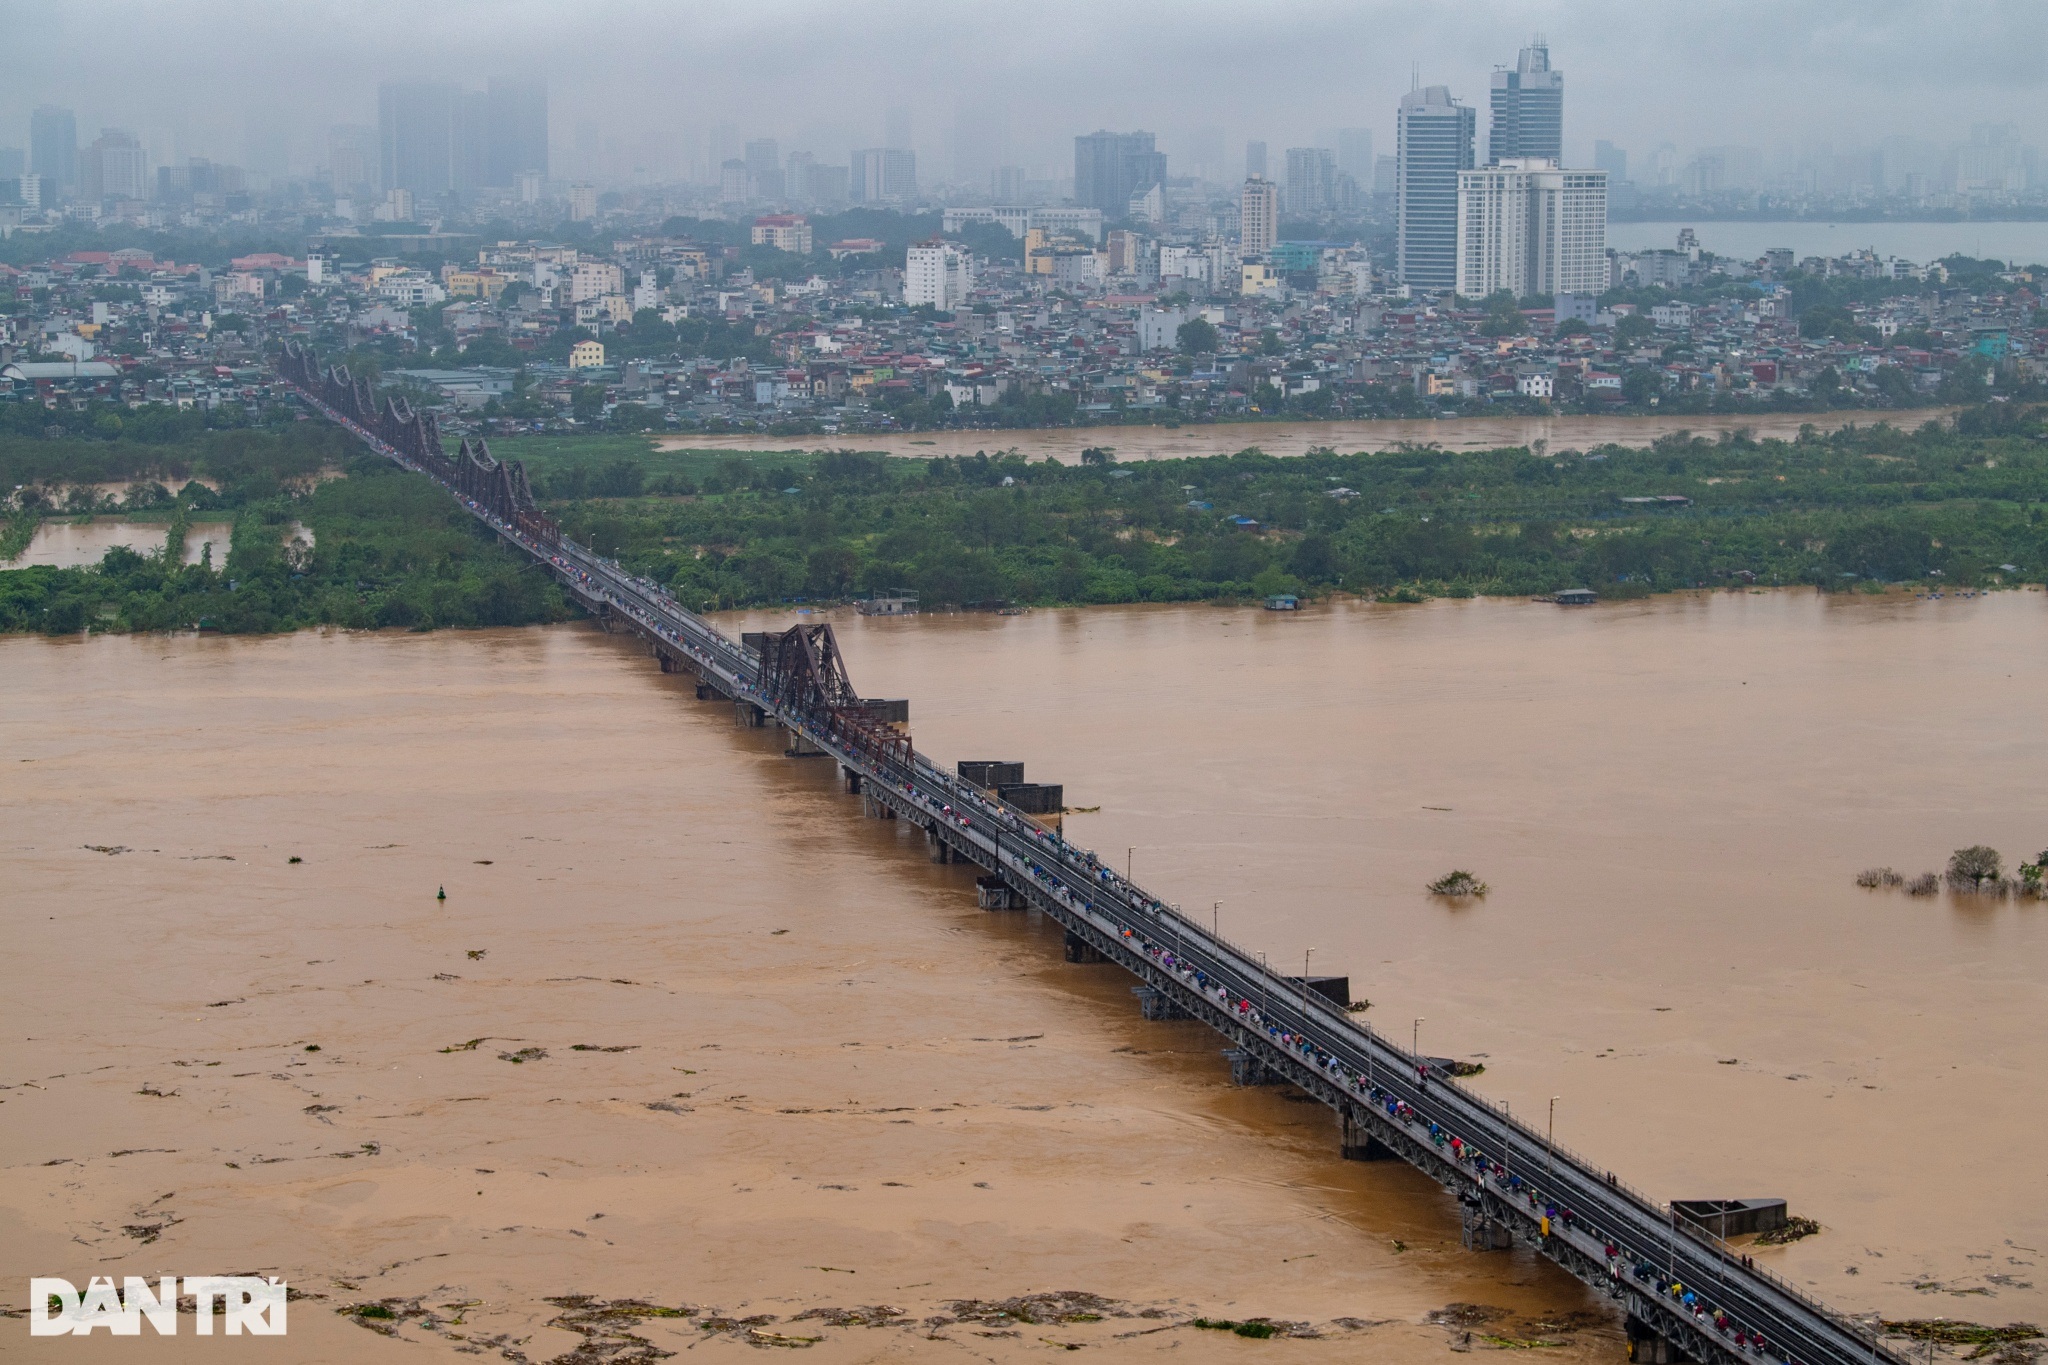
(803, 671)
(800, 671)
(499, 487)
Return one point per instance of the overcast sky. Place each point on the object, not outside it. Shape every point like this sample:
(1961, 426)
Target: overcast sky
(641, 82)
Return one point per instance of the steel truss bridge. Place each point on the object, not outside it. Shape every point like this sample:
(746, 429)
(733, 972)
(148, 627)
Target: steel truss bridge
(1685, 1292)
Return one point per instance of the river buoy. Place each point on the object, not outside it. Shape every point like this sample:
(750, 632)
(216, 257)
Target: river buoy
(442, 894)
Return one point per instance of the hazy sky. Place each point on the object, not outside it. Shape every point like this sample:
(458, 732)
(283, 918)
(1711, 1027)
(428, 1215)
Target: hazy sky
(645, 82)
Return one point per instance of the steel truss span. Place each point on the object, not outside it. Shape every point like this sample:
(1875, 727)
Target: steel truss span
(1685, 1291)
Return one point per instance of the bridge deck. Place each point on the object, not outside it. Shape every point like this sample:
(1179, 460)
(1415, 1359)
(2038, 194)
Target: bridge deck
(1685, 1290)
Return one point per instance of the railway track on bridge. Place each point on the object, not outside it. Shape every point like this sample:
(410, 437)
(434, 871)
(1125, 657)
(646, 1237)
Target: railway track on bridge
(1389, 1101)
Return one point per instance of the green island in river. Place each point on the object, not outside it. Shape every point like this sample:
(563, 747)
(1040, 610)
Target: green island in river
(1958, 504)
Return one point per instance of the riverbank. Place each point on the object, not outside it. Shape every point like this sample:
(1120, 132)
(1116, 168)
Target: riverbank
(1288, 438)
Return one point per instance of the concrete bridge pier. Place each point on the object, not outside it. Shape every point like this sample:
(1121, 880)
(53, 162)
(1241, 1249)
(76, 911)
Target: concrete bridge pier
(748, 716)
(875, 809)
(851, 779)
(1483, 1232)
(993, 893)
(1356, 1141)
(707, 691)
(1647, 1347)
(1247, 1069)
(797, 745)
(1080, 950)
(942, 852)
(1158, 1005)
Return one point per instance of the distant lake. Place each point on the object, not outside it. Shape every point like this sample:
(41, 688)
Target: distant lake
(2024, 243)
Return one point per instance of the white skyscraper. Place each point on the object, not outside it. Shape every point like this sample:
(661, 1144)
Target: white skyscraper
(1258, 219)
(1527, 227)
(1435, 135)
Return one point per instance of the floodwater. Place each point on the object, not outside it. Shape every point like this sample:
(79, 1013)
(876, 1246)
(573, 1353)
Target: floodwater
(72, 544)
(840, 1085)
(1065, 444)
(1670, 800)
(789, 1067)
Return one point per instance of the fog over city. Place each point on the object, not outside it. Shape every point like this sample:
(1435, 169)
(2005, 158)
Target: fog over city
(641, 90)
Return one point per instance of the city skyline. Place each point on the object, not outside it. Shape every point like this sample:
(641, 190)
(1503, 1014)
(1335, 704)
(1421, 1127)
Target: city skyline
(1748, 77)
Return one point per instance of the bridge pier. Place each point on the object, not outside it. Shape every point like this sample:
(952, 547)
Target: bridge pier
(1356, 1141)
(876, 809)
(942, 852)
(799, 747)
(1646, 1346)
(748, 716)
(993, 893)
(1247, 1069)
(1482, 1231)
(1080, 950)
(1157, 1005)
(851, 779)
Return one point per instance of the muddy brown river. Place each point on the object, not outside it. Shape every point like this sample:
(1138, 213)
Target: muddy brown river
(1298, 438)
(688, 1030)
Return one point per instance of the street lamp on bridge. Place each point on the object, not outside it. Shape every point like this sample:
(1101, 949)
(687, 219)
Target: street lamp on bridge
(1550, 1145)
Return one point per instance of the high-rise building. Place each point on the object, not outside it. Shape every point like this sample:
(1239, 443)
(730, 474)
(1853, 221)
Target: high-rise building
(351, 158)
(882, 175)
(1611, 159)
(416, 123)
(1006, 184)
(938, 274)
(1258, 218)
(1354, 153)
(735, 182)
(764, 163)
(896, 130)
(469, 159)
(796, 175)
(1110, 167)
(114, 167)
(516, 138)
(13, 163)
(1433, 142)
(53, 147)
(827, 185)
(1255, 160)
(1527, 227)
(1311, 181)
(1528, 108)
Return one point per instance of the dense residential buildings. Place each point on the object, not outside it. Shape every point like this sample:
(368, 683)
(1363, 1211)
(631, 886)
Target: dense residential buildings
(1527, 109)
(1434, 136)
(1527, 227)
